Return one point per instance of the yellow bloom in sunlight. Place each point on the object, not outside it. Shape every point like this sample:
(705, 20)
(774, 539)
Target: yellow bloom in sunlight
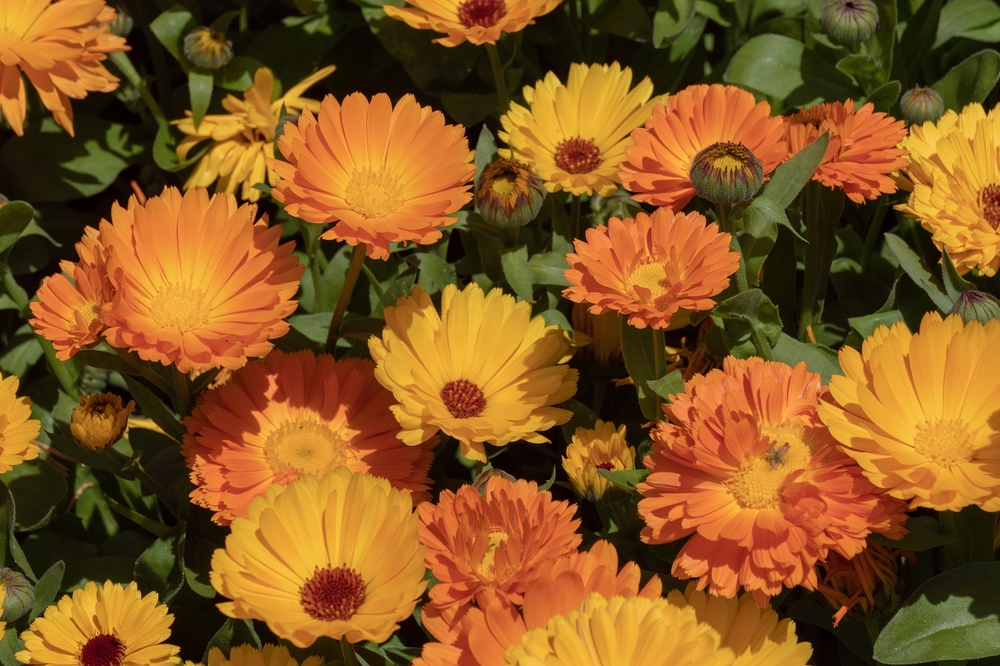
(921, 142)
(100, 420)
(17, 428)
(600, 447)
(243, 139)
(478, 21)
(248, 655)
(574, 135)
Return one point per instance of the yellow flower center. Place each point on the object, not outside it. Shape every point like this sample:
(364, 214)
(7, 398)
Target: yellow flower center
(945, 442)
(651, 276)
(180, 307)
(103, 650)
(303, 446)
(373, 193)
(487, 565)
(333, 595)
(484, 13)
(577, 156)
(989, 199)
(89, 312)
(758, 482)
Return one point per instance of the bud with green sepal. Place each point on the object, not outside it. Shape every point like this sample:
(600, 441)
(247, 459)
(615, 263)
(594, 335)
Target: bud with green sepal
(978, 306)
(921, 105)
(20, 595)
(207, 48)
(726, 173)
(508, 195)
(849, 22)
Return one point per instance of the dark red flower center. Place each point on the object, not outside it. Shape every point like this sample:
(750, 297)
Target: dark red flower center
(607, 466)
(577, 156)
(103, 650)
(333, 594)
(484, 13)
(463, 399)
(989, 198)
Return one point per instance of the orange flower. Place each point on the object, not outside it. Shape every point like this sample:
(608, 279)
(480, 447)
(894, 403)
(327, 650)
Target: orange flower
(59, 46)
(493, 542)
(867, 580)
(383, 174)
(749, 470)
(68, 309)
(478, 21)
(196, 281)
(862, 150)
(651, 267)
(658, 164)
(290, 415)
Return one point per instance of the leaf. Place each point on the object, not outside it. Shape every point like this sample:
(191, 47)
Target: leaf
(170, 28)
(924, 533)
(160, 568)
(954, 284)
(400, 287)
(626, 479)
(152, 407)
(788, 179)
(645, 360)
(435, 272)
(105, 361)
(148, 524)
(759, 233)
(164, 153)
(960, 18)
(866, 325)
(669, 384)
(233, 633)
(38, 489)
(670, 20)
(552, 480)
(884, 97)
(918, 37)
(754, 308)
(918, 272)
(99, 569)
(625, 18)
(85, 456)
(969, 81)
(435, 70)
(238, 73)
(582, 417)
(9, 646)
(880, 46)
(515, 268)
(954, 615)
(469, 109)
(486, 151)
(200, 88)
(47, 589)
(8, 543)
(14, 219)
(549, 269)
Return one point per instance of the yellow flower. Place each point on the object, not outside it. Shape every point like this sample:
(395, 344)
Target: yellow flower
(17, 428)
(574, 135)
(247, 655)
(603, 447)
(482, 371)
(921, 142)
(100, 420)
(478, 21)
(243, 139)
(917, 412)
(101, 625)
(338, 556)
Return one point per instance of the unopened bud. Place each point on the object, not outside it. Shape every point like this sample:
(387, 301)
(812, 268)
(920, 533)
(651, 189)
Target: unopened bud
(978, 306)
(849, 21)
(508, 195)
(484, 478)
(207, 48)
(99, 420)
(122, 25)
(921, 105)
(726, 173)
(19, 595)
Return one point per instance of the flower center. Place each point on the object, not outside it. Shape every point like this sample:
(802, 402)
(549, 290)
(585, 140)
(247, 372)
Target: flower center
(89, 312)
(608, 466)
(484, 13)
(373, 193)
(945, 442)
(577, 156)
(180, 307)
(989, 199)
(303, 446)
(487, 565)
(333, 595)
(103, 650)
(758, 482)
(652, 277)
(463, 399)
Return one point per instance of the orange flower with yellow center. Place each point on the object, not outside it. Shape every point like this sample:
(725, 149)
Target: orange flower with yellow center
(651, 267)
(748, 470)
(476, 21)
(197, 282)
(59, 45)
(384, 174)
(294, 414)
(658, 163)
(862, 152)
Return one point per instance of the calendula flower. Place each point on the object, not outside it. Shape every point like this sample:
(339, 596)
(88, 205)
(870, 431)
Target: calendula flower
(384, 174)
(867, 580)
(574, 135)
(508, 194)
(921, 144)
(651, 267)
(478, 21)
(309, 415)
(755, 635)
(60, 46)
(598, 335)
(602, 447)
(483, 370)
(100, 420)
(916, 411)
(849, 21)
(207, 48)
(68, 310)
(101, 625)
(17, 428)
(921, 105)
(243, 140)
(338, 556)
(197, 282)
(248, 655)
(658, 162)
(748, 470)
(862, 152)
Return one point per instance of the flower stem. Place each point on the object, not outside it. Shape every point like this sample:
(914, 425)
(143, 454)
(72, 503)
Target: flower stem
(126, 67)
(353, 271)
(347, 649)
(182, 395)
(821, 210)
(503, 99)
(575, 218)
(760, 343)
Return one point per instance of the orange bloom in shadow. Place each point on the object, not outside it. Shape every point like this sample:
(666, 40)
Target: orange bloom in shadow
(197, 282)
(862, 152)
(657, 169)
(650, 267)
(748, 470)
(68, 310)
(384, 174)
(295, 414)
(478, 21)
(867, 580)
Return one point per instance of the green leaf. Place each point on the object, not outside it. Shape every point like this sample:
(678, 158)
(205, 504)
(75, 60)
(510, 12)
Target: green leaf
(8, 543)
(160, 568)
(401, 286)
(47, 589)
(626, 479)
(760, 231)
(164, 153)
(152, 407)
(148, 524)
(582, 417)
(954, 615)
(884, 97)
(222, 23)
(918, 272)
(969, 81)
(881, 45)
(238, 73)
(918, 37)
(817, 358)
(670, 20)
(84, 456)
(9, 646)
(973, 19)
(549, 268)
(99, 569)
(38, 489)
(469, 109)
(104, 360)
(435, 272)
(924, 533)
(954, 284)
(669, 384)
(625, 18)
(515, 268)
(754, 308)
(793, 174)
(711, 11)
(200, 88)
(435, 70)
(170, 28)
(645, 360)
(866, 325)
(14, 219)
(486, 151)
(233, 633)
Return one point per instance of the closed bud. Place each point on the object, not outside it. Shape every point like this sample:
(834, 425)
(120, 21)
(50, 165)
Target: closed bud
(99, 420)
(592, 449)
(484, 478)
(978, 306)
(207, 48)
(726, 173)
(122, 25)
(849, 21)
(921, 105)
(19, 595)
(508, 195)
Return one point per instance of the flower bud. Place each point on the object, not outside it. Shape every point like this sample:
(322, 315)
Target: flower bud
(726, 173)
(508, 195)
(849, 21)
(99, 421)
(18, 597)
(978, 306)
(600, 447)
(122, 25)
(921, 105)
(484, 478)
(207, 48)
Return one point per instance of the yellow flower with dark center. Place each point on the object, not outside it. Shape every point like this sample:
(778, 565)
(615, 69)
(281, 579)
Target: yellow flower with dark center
(601, 447)
(99, 421)
(508, 194)
(476, 21)
(207, 48)
(726, 173)
(101, 625)
(17, 428)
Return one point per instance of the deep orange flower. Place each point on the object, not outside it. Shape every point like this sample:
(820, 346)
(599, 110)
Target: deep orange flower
(296, 414)
(657, 169)
(197, 282)
(862, 150)
(383, 174)
(651, 267)
(59, 45)
(68, 309)
(867, 580)
(747, 468)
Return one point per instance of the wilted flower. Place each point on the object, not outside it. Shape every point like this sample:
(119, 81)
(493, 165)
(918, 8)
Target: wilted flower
(867, 580)
(976, 305)
(602, 447)
(921, 105)
(508, 194)
(726, 173)
(99, 420)
(207, 48)
(849, 21)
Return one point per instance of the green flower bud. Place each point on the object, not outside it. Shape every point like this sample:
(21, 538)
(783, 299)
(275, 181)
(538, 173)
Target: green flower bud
(921, 105)
(20, 595)
(726, 173)
(484, 478)
(122, 25)
(508, 195)
(978, 306)
(849, 21)
(207, 48)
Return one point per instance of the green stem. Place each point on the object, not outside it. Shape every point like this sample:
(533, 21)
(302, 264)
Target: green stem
(145, 371)
(503, 98)
(873, 232)
(124, 65)
(574, 217)
(182, 394)
(511, 236)
(133, 466)
(373, 281)
(821, 210)
(347, 649)
(760, 343)
(353, 271)
(59, 369)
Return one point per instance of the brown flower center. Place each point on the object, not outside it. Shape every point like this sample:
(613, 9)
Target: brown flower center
(484, 13)
(989, 199)
(577, 156)
(608, 466)
(945, 442)
(103, 650)
(333, 594)
(463, 399)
